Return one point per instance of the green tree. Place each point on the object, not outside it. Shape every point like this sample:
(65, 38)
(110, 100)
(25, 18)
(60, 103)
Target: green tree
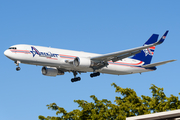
(127, 105)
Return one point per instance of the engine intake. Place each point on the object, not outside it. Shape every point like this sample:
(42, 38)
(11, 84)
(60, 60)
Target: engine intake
(51, 71)
(82, 62)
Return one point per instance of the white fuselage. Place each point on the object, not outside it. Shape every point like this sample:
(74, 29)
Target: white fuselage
(63, 59)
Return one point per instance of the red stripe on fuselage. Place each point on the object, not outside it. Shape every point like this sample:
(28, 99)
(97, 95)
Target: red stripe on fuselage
(66, 55)
(52, 58)
(67, 58)
(129, 63)
(126, 65)
(21, 51)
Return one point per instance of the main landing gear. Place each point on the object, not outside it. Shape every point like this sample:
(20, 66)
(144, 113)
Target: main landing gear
(94, 74)
(75, 79)
(17, 64)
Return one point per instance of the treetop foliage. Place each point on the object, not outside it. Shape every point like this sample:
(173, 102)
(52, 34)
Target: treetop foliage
(126, 106)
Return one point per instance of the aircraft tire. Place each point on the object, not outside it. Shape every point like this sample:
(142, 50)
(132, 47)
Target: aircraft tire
(18, 68)
(91, 75)
(98, 73)
(75, 79)
(94, 74)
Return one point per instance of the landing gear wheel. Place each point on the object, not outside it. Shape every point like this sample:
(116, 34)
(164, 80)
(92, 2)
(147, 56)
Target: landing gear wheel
(75, 79)
(98, 73)
(94, 74)
(18, 68)
(91, 75)
(79, 78)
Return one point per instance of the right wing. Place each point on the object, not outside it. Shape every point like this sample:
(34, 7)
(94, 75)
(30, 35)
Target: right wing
(126, 53)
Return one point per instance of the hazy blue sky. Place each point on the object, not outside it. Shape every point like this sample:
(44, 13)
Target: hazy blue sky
(97, 26)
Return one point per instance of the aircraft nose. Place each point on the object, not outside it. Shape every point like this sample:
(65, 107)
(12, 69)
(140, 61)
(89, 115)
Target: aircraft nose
(6, 53)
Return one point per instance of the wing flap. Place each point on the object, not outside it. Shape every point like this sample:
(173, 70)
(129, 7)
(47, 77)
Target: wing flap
(157, 64)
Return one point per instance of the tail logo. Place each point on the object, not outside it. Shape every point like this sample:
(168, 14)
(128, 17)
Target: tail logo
(164, 37)
(149, 51)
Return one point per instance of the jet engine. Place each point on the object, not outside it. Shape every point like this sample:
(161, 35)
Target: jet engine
(51, 71)
(82, 62)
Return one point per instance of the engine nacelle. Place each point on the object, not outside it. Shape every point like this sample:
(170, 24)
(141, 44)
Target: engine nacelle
(51, 71)
(82, 62)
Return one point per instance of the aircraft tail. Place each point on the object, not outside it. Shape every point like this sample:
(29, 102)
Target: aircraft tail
(146, 54)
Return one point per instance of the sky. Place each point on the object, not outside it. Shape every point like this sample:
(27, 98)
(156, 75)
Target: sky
(97, 26)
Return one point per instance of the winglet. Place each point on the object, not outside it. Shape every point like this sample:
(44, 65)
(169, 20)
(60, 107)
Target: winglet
(162, 38)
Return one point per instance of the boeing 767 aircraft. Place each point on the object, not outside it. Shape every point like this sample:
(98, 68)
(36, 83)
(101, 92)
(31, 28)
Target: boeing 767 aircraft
(58, 61)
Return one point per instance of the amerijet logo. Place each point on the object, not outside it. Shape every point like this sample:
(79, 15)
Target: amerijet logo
(42, 54)
(34, 51)
(149, 51)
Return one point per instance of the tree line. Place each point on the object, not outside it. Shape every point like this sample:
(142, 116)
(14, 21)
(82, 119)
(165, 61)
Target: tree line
(126, 105)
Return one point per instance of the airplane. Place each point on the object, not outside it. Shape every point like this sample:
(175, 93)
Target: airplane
(58, 61)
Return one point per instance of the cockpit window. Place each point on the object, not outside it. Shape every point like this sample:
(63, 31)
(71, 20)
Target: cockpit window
(12, 48)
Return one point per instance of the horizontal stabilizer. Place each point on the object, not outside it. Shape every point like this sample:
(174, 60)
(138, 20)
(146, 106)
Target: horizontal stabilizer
(157, 64)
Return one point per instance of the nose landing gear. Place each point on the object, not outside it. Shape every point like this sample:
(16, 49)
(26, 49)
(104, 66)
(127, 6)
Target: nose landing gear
(18, 68)
(17, 64)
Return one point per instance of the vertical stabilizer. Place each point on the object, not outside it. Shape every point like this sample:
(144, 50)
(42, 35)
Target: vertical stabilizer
(146, 54)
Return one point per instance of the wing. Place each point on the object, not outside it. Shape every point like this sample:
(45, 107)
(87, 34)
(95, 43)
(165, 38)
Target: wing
(126, 53)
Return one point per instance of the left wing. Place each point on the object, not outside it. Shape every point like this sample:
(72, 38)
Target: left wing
(126, 53)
